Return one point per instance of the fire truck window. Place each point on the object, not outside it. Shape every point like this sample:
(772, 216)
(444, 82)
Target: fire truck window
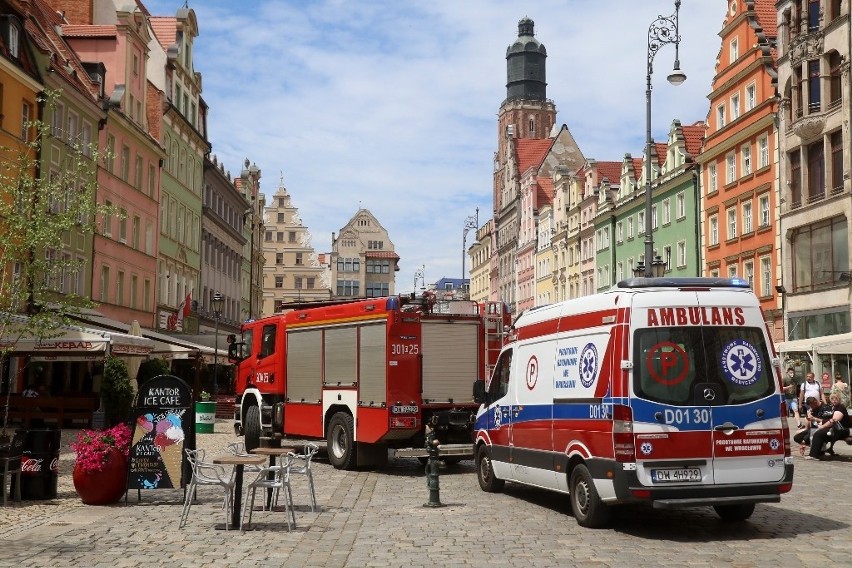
(248, 343)
(500, 380)
(267, 346)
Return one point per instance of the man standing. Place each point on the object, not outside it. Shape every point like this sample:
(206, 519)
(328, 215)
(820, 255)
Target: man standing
(810, 388)
(790, 395)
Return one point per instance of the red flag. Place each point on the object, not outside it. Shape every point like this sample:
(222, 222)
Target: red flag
(186, 307)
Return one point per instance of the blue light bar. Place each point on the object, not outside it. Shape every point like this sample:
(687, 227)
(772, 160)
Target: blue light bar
(684, 282)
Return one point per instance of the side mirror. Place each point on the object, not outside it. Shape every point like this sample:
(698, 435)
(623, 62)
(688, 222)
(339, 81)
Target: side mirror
(235, 352)
(479, 394)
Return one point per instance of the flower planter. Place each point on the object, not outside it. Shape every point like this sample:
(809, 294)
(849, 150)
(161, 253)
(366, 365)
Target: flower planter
(205, 416)
(105, 486)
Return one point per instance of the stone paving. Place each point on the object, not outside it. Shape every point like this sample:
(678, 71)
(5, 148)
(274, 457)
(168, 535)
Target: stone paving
(377, 518)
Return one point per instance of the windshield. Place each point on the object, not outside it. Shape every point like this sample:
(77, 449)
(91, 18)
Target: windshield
(678, 365)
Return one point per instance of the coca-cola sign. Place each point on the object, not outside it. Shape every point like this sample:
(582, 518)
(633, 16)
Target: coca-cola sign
(32, 466)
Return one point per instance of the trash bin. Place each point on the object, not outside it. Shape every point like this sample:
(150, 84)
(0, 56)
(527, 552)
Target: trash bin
(40, 464)
(205, 417)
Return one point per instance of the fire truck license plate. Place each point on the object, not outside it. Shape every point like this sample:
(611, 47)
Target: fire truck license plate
(690, 474)
(403, 409)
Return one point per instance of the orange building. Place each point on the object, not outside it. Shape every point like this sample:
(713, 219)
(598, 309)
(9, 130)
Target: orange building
(738, 161)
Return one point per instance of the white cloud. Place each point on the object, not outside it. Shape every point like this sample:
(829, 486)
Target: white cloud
(393, 105)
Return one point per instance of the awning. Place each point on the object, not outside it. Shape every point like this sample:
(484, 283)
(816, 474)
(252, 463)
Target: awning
(840, 344)
(73, 340)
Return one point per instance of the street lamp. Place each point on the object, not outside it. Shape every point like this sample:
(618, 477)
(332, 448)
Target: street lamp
(470, 223)
(419, 274)
(216, 303)
(662, 31)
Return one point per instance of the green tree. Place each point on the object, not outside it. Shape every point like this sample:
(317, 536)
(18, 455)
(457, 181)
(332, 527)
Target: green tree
(43, 212)
(152, 368)
(116, 391)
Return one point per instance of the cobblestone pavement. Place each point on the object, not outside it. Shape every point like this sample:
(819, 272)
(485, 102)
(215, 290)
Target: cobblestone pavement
(377, 518)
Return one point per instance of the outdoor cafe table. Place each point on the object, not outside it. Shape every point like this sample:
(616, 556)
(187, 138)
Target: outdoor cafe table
(273, 453)
(240, 462)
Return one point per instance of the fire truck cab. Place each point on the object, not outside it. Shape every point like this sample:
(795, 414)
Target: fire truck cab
(367, 375)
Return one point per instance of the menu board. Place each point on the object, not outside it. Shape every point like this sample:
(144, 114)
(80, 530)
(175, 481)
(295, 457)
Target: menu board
(164, 424)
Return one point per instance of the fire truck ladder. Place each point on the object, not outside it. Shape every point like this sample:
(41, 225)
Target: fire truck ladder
(493, 320)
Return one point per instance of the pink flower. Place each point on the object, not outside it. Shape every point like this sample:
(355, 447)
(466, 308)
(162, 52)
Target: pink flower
(93, 446)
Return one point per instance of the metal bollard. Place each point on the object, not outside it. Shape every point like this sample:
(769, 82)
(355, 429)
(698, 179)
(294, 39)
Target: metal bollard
(432, 444)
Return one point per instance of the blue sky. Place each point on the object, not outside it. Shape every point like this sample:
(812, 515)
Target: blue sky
(392, 105)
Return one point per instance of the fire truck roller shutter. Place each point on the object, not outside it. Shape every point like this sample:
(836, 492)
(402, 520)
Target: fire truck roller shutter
(304, 365)
(450, 360)
(372, 367)
(341, 356)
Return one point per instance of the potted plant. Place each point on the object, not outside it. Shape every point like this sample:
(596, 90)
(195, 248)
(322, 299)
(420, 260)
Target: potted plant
(100, 466)
(205, 414)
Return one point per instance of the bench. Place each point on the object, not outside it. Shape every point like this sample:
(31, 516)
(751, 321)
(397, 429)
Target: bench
(61, 410)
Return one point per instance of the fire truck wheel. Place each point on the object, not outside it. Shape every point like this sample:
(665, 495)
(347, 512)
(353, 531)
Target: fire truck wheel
(341, 443)
(252, 428)
(733, 513)
(587, 506)
(485, 473)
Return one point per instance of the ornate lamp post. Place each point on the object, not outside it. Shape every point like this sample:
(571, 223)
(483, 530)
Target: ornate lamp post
(419, 274)
(470, 223)
(663, 31)
(217, 302)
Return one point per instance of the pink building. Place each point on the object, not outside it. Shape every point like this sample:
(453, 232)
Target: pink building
(124, 270)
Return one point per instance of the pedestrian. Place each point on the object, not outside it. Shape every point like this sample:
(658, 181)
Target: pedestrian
(841, 389)
(810, 388)
(817, 412)
(825, 383)
(791, 395)
(836, 413)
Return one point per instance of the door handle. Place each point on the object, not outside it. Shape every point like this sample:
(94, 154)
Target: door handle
(726, 426)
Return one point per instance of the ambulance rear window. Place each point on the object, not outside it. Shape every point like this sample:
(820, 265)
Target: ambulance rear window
(701, 366)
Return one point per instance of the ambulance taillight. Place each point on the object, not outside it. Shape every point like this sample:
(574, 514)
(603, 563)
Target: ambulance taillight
(622, 433)
(785, 429)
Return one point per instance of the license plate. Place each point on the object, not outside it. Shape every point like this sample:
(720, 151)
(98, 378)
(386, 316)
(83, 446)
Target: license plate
(684, 475)
(403, 409)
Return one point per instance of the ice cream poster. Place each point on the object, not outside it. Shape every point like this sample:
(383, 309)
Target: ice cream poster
(156, 449)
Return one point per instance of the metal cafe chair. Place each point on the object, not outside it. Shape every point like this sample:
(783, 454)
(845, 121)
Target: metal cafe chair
(301, 465)
(276, 478)
(205, 473)
(10, 465)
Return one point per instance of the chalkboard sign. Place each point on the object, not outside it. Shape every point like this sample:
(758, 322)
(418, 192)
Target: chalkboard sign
(164, 424)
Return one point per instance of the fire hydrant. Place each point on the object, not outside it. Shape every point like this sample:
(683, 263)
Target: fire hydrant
(432, 444)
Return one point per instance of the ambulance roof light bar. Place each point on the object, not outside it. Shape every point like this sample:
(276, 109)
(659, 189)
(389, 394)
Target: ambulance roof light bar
(684, 282)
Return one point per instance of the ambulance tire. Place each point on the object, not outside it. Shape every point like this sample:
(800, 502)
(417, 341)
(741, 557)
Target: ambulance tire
(252, 428)
(589, 510)
(734, 513)
(341, 441)
(485, 472)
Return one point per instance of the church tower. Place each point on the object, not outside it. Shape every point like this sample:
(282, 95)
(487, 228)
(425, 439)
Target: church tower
(526, 112)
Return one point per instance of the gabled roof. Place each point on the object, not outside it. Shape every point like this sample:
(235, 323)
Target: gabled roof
(165, 29)
(767, 16)
(544, 195)
(693, 136)
(662, 149)
(530, 152)
(637, 168)
(73, 30)
(609, 170)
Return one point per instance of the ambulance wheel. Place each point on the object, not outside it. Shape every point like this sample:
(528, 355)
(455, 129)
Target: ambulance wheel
(733, 513)
(252, 428)
(485, 472)
(341, 443)
(587, 506)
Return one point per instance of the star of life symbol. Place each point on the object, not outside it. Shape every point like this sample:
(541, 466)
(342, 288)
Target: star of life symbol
(646, 448)
(588, 365)
(774, 444)
(497, 415)
(741, 362)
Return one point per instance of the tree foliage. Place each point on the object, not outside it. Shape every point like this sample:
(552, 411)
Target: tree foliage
(116, 391)
(48, 207)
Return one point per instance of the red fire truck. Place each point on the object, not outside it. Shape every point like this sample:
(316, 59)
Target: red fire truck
(367, 375)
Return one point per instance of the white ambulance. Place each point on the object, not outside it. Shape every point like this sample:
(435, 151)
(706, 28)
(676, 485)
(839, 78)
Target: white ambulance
(663, 390)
